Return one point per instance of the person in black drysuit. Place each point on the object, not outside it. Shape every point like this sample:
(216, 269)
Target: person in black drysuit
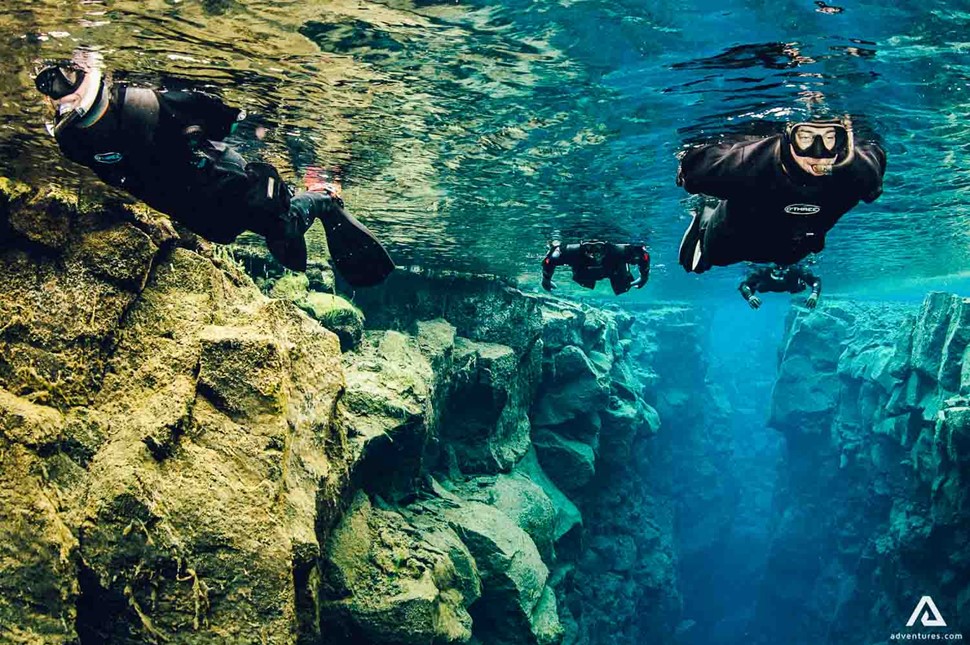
(779, 279)
(778, 196)
(166, 148)
(592, 261)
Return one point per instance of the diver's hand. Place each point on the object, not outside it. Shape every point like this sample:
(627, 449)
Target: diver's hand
(754, 302)
(548, 284)
(812, 301)
(639, 284)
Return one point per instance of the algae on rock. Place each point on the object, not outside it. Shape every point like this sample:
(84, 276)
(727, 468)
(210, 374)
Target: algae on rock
(168, 428)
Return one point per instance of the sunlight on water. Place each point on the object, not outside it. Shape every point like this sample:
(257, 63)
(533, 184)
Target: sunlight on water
(468, 134)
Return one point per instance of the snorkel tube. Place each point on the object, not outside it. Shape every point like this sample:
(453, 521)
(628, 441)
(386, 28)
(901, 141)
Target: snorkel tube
(74, 107)
(841, 160)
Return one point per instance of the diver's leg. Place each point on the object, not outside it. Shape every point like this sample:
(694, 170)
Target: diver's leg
(621, 280)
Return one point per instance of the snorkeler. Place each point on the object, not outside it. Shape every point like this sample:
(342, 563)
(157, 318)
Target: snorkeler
(778, 196)
(165, 148)
(779, 279)
(592, 261)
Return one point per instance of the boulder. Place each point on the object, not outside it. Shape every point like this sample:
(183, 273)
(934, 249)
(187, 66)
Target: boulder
(388, 582)
(337, 315)
(568, 520)
(388, 408)
(569, 463)
(485, 421)
(572, 387)
(511, 610)
(522, 500)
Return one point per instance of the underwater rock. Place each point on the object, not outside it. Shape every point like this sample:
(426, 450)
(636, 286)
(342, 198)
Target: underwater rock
(333, 312)
(807, 387)
(523, 501)
(389, 582)
(569, 463)
(876, 511)
(168, 434)
(573, 388)
(568, 521)
(292, 287)
(389, 405)
(486, 420)
(199, 462)
(481, 308)
(337, 315)
(514, 607)
(38, 551)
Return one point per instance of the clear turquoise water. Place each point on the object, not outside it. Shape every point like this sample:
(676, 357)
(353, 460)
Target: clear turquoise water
(467, 134)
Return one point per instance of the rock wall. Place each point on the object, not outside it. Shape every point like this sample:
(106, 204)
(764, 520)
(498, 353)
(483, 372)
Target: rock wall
(531, 428)
(875, 509)
(187, 460)
(169, 451)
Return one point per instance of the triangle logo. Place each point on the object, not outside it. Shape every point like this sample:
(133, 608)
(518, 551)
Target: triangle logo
(928, 614)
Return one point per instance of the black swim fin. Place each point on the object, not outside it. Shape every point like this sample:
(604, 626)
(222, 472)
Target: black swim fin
(357, 255)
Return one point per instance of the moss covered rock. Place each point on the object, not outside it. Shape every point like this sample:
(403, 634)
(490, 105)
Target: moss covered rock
(390, 583)
(169, 444)
(337, 315)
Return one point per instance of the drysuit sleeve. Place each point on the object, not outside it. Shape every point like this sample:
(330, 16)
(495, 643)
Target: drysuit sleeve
(812, 280)
(717, 170)
(637, 254)
(551, 261)
(868, 169)
(749, 286)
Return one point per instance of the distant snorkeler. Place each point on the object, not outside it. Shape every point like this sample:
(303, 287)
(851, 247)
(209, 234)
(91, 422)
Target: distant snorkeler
(780, 279)
(778, 196)
(165, 148)
(592, 261)
(827, 8)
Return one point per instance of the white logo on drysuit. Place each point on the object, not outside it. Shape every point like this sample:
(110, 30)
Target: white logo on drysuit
(802, 209)
(931, 617)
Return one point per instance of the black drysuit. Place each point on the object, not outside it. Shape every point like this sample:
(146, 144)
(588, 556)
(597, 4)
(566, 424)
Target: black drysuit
(165, 148)
(771, 210)
(587, 271)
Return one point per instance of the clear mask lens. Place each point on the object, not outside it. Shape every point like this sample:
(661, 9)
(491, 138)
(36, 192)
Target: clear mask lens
(819, 141)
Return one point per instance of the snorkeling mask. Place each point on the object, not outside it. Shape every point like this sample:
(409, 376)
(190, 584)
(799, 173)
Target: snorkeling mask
(826, 139)
(778, 273)
(60, 81)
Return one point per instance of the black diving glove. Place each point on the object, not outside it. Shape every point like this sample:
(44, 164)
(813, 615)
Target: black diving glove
(639, 283)
(548, 284)
(754, 302)
(812, 301)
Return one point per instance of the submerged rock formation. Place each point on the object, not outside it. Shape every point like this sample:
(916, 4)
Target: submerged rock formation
(188, 460)
(873, 404)
(168, 429)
